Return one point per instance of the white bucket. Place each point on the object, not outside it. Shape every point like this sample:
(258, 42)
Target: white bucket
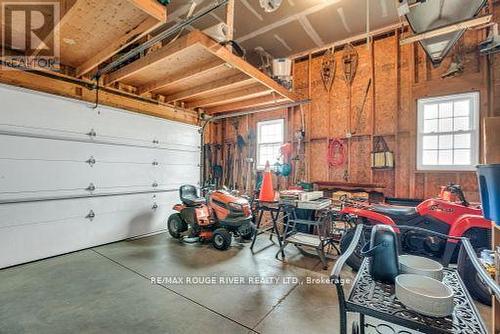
(282, 67)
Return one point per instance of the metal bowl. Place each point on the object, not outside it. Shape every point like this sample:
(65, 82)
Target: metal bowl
(424, 295)
(418, 265)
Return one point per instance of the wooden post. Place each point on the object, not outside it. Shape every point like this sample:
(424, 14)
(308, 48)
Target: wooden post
(230, 22)
(398, 110)
(372, 127)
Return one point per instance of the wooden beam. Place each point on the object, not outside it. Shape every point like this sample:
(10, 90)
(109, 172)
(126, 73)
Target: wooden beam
(360, 37)
(193, 72)
(237, 62)
(237, 95)
(77, 89)
(68, 10)
(181, 44)
(230, 19)
(463, 25)
(211, 87)
(256, 102)
(152, 8)
(129, 38)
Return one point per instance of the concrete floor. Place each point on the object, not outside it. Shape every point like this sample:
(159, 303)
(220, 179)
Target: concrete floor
(108, 289)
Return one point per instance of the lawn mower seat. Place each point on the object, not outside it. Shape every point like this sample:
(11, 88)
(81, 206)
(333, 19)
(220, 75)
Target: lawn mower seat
(189, 196)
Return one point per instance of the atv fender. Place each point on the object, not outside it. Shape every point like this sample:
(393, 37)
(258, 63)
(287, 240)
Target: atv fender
(368, 214)
(465, 223)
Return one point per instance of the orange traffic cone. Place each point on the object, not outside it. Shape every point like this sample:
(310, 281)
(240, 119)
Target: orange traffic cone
(266, 190)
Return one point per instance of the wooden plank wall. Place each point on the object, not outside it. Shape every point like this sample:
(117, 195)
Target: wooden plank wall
(401, 76)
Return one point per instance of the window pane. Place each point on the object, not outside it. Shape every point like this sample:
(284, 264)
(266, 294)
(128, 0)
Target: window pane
(445, 110)
(431, 126)
(430, 111)
(269, 153)
(462, 141)
(430, 158)
(462, 108)
(445, 142)
(462, 123)
(430, 142)
(462, 157)
(445, 124)
(445, 157)
(270, 133)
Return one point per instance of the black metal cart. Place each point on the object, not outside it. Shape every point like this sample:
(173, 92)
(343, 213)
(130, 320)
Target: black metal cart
(377, 300)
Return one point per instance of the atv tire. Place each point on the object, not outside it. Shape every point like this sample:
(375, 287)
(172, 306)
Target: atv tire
(356, 259)
(477, 289)
(176, 225)
(222, 239)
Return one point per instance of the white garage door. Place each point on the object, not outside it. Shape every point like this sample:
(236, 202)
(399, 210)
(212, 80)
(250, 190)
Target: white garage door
(73, 177)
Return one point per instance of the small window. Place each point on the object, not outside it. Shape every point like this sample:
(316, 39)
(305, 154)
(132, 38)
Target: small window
(448, 132)
(269, 140)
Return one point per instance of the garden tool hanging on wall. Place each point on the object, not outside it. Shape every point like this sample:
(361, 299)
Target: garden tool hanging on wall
(217, 169)
(359, 110)
(328, 68)
(250, 161)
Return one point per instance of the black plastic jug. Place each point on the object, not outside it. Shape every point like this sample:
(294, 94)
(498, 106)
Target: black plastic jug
(382, 251)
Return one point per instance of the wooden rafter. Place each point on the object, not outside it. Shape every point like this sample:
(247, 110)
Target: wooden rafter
(193, 72)
(268, 100)
(152, 8)
(475, 22)
(237, 80)
(237, 95)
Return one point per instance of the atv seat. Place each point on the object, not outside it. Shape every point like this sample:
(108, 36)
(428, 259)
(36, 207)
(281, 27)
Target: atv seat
(189, 196)
(400, 213)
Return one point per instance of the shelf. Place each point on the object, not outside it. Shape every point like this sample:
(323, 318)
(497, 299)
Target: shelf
(92, 31)
(197, 72)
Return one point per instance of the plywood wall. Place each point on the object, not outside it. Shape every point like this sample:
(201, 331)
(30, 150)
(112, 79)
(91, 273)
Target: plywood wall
(400, 76)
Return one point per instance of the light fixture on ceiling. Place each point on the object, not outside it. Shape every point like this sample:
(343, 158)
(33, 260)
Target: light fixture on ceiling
(431, 15)
(270, 5)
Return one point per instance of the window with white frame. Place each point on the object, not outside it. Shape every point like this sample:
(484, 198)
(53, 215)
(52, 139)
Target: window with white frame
(448, 132)
(269, 140)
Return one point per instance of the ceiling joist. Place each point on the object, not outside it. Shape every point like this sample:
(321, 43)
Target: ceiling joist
(237, 80)
(467, 24)
(189, 74)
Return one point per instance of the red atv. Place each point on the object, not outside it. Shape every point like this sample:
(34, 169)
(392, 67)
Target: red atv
(449, 214)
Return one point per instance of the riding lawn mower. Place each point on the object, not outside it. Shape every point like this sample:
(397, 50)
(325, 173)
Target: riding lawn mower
(216, 217)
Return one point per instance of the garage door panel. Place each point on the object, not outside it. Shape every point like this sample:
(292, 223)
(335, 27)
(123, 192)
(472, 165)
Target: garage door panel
(115, 125)
(31, 110)
(63, 150)
(44, 212)
(116, 217)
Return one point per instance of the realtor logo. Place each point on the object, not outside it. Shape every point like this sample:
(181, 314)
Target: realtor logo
(30, 35)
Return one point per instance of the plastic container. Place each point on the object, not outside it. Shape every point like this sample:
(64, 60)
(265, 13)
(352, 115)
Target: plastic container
(282, 67)
(489, 185)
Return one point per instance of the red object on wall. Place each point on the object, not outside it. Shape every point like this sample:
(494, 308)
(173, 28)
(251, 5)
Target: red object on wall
(335, 154)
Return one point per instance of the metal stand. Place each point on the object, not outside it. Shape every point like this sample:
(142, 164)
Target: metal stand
(318, 242)
(274, 210)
